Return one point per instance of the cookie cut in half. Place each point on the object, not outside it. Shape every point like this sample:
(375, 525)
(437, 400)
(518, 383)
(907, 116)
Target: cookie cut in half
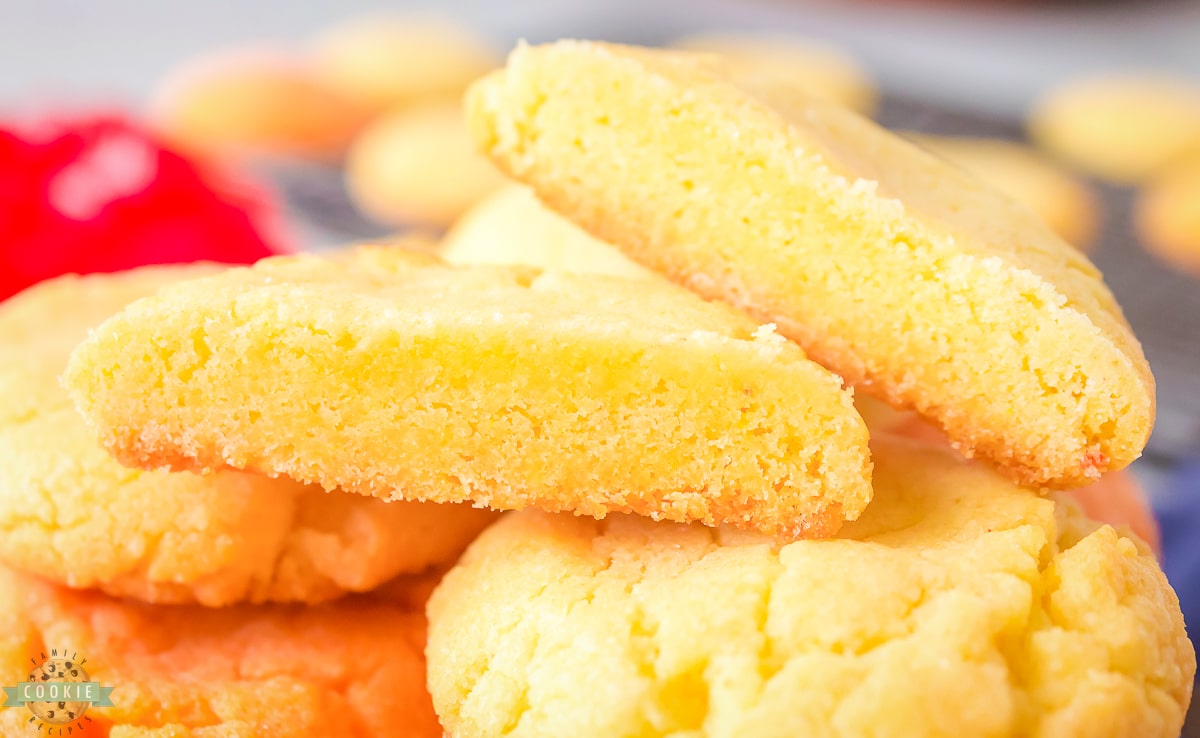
(72, 514)
(395, 375)
(957, 605)
(512, 226)
(893, 268)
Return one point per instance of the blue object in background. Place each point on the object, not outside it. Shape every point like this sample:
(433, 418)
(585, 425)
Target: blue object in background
(1178, 511)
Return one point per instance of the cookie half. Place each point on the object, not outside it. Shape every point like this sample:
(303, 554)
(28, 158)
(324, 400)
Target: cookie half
(392, 374)
(893, 268)
(350, 669)
(958, 604)
(71, 513)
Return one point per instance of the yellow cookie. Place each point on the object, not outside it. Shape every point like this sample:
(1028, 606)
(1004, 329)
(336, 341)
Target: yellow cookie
(255, 101)
(896, 270)
(1168, 217)
(395, 375)
(1067, 204)
(817, 68)
(350, 669)
(511, 226)
(418, 166)
(388, 61)
(70, 513)
(1122, 128)
(958, 605)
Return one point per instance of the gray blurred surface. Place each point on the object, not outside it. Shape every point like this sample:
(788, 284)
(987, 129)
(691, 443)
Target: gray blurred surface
(991, 59)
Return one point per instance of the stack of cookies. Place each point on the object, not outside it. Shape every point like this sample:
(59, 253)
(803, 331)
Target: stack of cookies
(211, 611)
(710, 540)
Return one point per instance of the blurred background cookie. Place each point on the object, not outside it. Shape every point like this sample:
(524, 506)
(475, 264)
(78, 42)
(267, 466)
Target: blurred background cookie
(349, 669)
(1168, 216)
(72, 514)
(820, 69)
(1119, 127)
(969, 67)
(388, 61)
(1064, 201)
(418, 166)
(512, 226)
(256, 100)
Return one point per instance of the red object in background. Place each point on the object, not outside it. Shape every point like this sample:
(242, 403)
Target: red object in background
(102, 194)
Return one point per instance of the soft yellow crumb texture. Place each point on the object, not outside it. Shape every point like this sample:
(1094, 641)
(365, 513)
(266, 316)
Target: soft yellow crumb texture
(895, 269)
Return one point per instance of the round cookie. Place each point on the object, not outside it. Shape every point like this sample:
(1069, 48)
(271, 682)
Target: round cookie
(894, 269)
(820, 69)
(350, 669)
(957, 605)
(1122, 128)
(511, 226)
(393, 374)
(418, 166)
(390, 61)
(255, 101)
(72, 514)
(1168, 217)
(1064, 202)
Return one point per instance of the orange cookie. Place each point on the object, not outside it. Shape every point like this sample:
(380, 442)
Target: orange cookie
(891, 267)
(255, 101)
(1123, 127)
(351, 669)
(72, 514)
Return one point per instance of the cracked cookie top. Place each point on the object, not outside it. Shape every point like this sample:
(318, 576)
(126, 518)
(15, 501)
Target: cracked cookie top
(957, 605)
